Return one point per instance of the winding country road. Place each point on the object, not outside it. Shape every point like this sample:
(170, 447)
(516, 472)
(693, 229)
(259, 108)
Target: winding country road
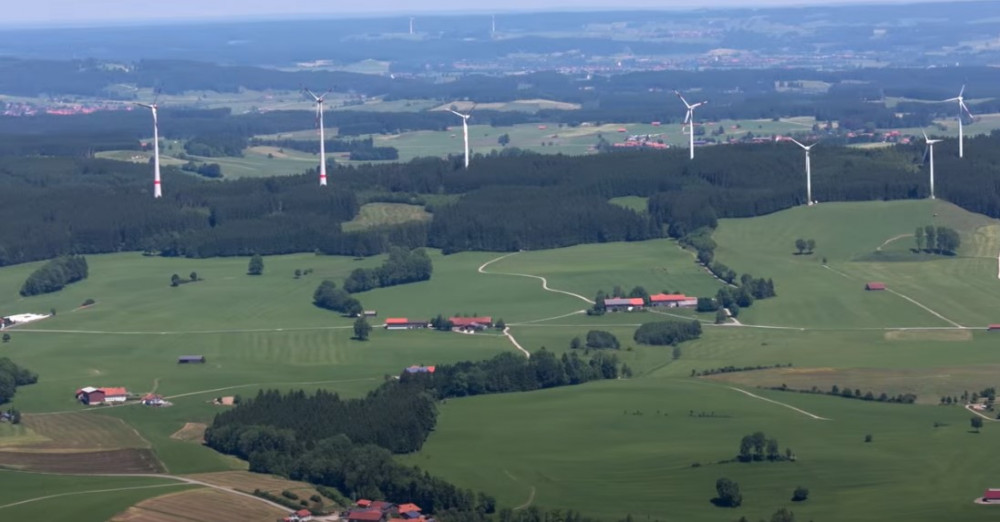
(545, 282)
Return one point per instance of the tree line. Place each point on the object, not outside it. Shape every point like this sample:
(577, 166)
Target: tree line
(12, 376)
(670, 332)
(55, 275)
(939, 240)
(329, 297)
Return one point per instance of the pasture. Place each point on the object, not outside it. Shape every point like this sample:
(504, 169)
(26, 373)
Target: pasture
(633, 438)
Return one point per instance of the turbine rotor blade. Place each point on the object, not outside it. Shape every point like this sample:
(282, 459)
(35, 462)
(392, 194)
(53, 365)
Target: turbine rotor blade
(960, 93)
(966, 109)
(687, 118)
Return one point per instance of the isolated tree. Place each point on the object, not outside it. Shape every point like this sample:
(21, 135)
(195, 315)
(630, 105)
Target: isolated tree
(298, 273)
(6, 338)
(194, 276)
(720, 316)
(362, 329)
(575, 343)
(256, 266)
(977, 423)
(800, 245)
(869, 438)
(175, 280)
(810, 245)
(728, 493)
(677, 352)
(919, 236)
(800, 494)
(501, 325)
(504, 139)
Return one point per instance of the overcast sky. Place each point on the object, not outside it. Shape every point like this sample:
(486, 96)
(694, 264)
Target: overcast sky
(44, 12)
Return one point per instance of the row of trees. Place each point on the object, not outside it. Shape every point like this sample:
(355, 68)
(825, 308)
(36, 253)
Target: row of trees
(670, 332)
(805, 246)
(509, 372)
(401, 267)
(939, 240)
(12, 376)
(757, 447)
(54, 275)
(847, 393)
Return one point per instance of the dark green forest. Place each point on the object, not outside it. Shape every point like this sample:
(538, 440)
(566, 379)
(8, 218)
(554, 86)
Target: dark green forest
(54, 275)
(54, 206)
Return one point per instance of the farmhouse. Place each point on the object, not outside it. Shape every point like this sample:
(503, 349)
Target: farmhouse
(993, 328)
(402, 323)
(364, 515)
(151, 399)
(186, 359)
(991, 495)
(471, 323)
(875, 286)
(91, 395)
(12, 320)
(673, 300)
(302, 515)
(617, 304)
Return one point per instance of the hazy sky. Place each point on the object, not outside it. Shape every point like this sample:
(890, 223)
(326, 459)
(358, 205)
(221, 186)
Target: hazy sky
(38, 12)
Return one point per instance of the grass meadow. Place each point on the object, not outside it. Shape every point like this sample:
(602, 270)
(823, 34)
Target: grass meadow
(585, 447)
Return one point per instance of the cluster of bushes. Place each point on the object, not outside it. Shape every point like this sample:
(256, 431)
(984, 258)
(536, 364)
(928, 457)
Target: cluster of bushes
(209, 170)
(176, 280)
(847, 393)
(940, 240)
(12, 376)
(54, 275)
(734, 369)
(401, 267)
(291, 502)
(740, 296)
(328, 296)
(596, 339)
(667, 332)
(805, 246)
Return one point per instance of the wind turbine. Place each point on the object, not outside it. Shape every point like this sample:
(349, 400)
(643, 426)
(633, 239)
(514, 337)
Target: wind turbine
(493, 25)
(322, 135)
(689, 118)
(157, 191)
(465, 131)
(930, 153)
(411, 25)
(809, 193)
(961, 107)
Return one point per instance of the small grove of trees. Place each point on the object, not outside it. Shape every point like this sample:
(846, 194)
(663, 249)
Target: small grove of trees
(209, 170)
(728, 493)
(805, 246)
(758, 447)
(12, 376)
(256, 266)
(401, 267)
(601, 339)
(328, 296)
(937, 240)
(54, 275)
(177, 280)
(667, 332)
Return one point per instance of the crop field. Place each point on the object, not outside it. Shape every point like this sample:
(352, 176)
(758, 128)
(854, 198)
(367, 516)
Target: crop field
(200, 504)
(376, 214)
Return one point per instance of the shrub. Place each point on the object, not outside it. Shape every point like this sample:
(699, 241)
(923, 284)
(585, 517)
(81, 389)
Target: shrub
(601, 339)
(800, 494)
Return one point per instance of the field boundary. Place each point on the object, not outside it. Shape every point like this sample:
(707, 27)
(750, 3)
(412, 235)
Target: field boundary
(789, 406)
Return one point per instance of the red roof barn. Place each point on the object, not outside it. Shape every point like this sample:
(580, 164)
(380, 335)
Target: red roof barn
(464, 322)
(368, 515)
(993, 327)
(991, 495)
(875, 286)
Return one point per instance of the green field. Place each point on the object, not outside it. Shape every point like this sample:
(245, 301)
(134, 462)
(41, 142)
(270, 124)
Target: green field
(582, 447)
(377, 214)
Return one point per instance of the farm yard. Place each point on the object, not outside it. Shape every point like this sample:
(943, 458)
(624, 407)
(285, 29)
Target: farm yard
(661, 433)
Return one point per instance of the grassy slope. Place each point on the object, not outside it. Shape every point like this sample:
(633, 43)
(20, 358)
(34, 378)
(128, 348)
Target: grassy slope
(376, 214)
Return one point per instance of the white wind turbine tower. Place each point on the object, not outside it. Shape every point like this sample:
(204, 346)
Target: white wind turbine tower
(961, 107)
(411, 25)
(157, 192)
(322, 135)
(465, 132)
(930, 153)
(809, 193)
(689, 118)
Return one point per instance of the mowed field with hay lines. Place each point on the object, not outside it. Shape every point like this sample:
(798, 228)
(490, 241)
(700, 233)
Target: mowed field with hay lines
(658, 438)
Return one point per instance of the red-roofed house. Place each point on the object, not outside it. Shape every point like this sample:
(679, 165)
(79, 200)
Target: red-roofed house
(302, 515)
(381, 505)
(114, 394)
(875, 286)
(673, 300)
(363, 502)
(366, 515)
(406, 508)
(993, 328)
(624, 303)
(90, 395)
(402, 323)
(471, 323)
(991, 495)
